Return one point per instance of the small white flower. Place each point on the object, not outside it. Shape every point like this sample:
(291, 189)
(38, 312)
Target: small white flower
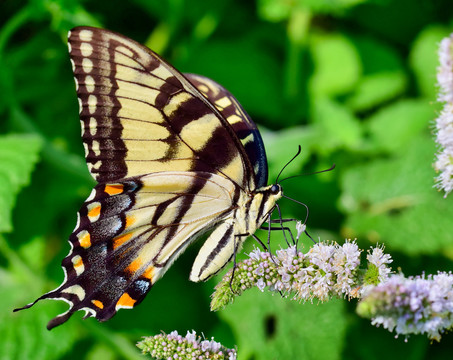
(444, 123)
(191, 336)
(300, 228)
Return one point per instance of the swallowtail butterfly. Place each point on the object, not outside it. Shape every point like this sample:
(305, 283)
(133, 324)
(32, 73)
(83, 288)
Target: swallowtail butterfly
(174, 156)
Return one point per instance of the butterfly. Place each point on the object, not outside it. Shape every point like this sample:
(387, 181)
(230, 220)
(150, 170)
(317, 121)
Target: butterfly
(174, 156)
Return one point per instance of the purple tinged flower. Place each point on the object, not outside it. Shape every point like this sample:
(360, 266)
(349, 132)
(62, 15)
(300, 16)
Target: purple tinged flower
(300, 228)
(380, 260)
(327, 270)
(414, 305)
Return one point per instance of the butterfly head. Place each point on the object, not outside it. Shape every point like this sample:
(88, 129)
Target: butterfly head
(264, 202)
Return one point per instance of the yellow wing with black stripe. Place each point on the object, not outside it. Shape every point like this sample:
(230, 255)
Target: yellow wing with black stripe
(140, 115)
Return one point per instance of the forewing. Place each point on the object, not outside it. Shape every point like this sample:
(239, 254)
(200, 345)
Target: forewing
(130, 232)
(240, 121)
(139, 115)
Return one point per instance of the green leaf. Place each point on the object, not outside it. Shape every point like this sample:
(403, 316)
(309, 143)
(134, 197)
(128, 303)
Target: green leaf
(405, 118)
(273, 327)
(278, 10)
(18, 155)
(337, 126)
(25, 336)
(337, 66)
(424, 59)
(378, 88)
(392, 201)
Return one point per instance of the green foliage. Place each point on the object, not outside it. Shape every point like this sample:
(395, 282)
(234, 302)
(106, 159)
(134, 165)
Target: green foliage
(18, 155)
(351, 81)
(283, 329)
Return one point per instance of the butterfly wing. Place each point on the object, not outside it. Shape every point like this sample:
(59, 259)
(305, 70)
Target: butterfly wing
(239, 120)
(129, 233)
(140, 115)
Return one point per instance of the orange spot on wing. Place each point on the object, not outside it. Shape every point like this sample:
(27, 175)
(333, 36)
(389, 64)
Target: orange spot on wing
(94, 212)
(114, 189)
(130, 220)
(149, 273)
(84, 239)
(98, 303)
(125, 301)
(120, 240)
(134, 266)
(77, 262)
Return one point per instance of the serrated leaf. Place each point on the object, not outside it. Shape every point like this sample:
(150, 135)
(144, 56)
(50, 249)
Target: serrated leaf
(377, 88)
(336, 63)
(26, 336)
(392, 201)
(405, 118)
(18, 155)
(272, 327)
(424, 59)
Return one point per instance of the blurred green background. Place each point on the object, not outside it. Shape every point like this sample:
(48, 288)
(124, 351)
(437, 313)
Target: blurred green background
(351, 81)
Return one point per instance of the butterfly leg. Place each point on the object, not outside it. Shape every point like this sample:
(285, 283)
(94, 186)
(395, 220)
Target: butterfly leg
(234, 262)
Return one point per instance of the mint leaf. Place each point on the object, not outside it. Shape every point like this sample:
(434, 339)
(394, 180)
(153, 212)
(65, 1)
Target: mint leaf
(18, 156)
(262, 324)
(392, 201)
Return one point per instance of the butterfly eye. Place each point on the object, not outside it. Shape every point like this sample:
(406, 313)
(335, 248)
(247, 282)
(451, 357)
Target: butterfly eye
(275, 189)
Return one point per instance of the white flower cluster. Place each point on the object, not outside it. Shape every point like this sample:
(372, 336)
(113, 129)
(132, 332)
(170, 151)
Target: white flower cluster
(444, 123)
(189, 347)
(414, 305)
(327, 270)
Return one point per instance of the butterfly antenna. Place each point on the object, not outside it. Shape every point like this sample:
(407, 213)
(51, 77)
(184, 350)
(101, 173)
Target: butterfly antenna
(289, 162)
(312, 173)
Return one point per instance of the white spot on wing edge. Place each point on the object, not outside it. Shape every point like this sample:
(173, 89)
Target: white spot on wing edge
(77, 222)
(95, 146)
(76, 84)
(87, 65)
(79, 267)
(92, 102)
(89, 83)
(86, 49)
(76, 290)
(80, 105)
(93, 126)
(87, 150)
(89, 312)
(86, 35)
(92, 195)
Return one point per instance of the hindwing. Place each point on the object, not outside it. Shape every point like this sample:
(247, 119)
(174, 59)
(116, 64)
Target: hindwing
(240, 121)
(129, 233)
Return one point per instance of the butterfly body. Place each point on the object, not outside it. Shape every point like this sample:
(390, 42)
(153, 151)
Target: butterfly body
(174, 156)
